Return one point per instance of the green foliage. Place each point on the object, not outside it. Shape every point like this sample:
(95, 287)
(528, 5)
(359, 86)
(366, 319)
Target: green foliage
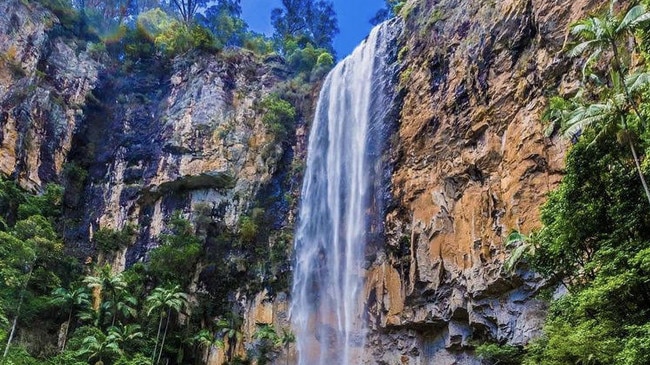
(137, 359)
(247, 230)
(20, 356)
(259, 44)
(174, 260)
(595, 238)
(279, 117)
(172, 37)
(109, 240)
(69, 17)
(224, 21)
(208, 338)
(492, 353)
(165, 301)
(520, 246)
(305, 22)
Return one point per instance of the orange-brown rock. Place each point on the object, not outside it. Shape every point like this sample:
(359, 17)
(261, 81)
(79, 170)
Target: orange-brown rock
(472, 163)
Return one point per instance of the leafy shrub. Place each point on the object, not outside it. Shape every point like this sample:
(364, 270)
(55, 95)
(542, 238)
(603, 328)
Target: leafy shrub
(279, 116)
(109, 240)
(494, 354)
(247, 229)
(172, 37)
(325, 59)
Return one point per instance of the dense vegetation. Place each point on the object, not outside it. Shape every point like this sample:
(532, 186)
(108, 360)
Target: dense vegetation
(71, 312)
(594, 247)
(133, 31)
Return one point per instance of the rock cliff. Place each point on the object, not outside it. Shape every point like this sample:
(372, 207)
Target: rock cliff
(470, 160)
(134, 142)
(44, 81)
(471, 163)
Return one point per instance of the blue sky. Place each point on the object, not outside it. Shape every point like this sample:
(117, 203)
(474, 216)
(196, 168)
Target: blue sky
(353, 16)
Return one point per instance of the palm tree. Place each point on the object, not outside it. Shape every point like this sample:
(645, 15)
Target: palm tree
(70, 299)
(599, 35)
(207, 339)
(100, 348)
(165, 301)
(123, 304)
(608, 33)
(106, 282)
(286, 339)
(123, 334)
(230, 328)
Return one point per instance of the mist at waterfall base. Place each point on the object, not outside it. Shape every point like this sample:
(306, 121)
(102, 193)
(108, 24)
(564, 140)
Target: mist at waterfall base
(342, 203)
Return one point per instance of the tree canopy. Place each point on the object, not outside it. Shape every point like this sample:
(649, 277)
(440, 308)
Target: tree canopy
(306, 21)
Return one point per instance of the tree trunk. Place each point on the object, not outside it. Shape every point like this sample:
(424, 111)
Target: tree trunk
(11, 335)
(114, 297)
(153, 356)
(67, 328)
(20, 303)
(162, 345)
(638, 169)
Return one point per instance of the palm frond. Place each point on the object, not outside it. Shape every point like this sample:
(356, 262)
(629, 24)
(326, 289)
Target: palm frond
(633, 18)
(580, 48)
(521, 245)
(593, 57)
(637, 81)
(585, 116)
(584, 28)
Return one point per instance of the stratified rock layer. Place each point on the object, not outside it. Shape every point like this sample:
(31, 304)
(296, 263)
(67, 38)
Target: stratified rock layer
(472, 163)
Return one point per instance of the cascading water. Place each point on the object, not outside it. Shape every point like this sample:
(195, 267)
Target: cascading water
(340, 196)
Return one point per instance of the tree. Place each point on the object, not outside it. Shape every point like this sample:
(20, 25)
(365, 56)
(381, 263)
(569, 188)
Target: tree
(26, 256)
(305, 21)
(187, 8)
(100, 347)
(225, 22)
(609, 34)
(285, 339)
(70, 300)
(179, 249)
(207, 339)
(390, 10)
(114, 285)
(266, 343)
(124, 334)
(165, 301)
(229, 327)
(17, 274)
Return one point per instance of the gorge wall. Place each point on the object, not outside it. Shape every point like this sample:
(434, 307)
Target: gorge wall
(133, 143)
(470, 160)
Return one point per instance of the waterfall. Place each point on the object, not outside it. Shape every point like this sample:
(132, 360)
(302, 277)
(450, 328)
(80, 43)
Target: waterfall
(341, 203)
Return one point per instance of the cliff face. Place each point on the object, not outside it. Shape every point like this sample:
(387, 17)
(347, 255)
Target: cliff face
(133, 143)
(470, 160)
(153, 138)
(472, 163)
(187, 138)
(44, 81)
